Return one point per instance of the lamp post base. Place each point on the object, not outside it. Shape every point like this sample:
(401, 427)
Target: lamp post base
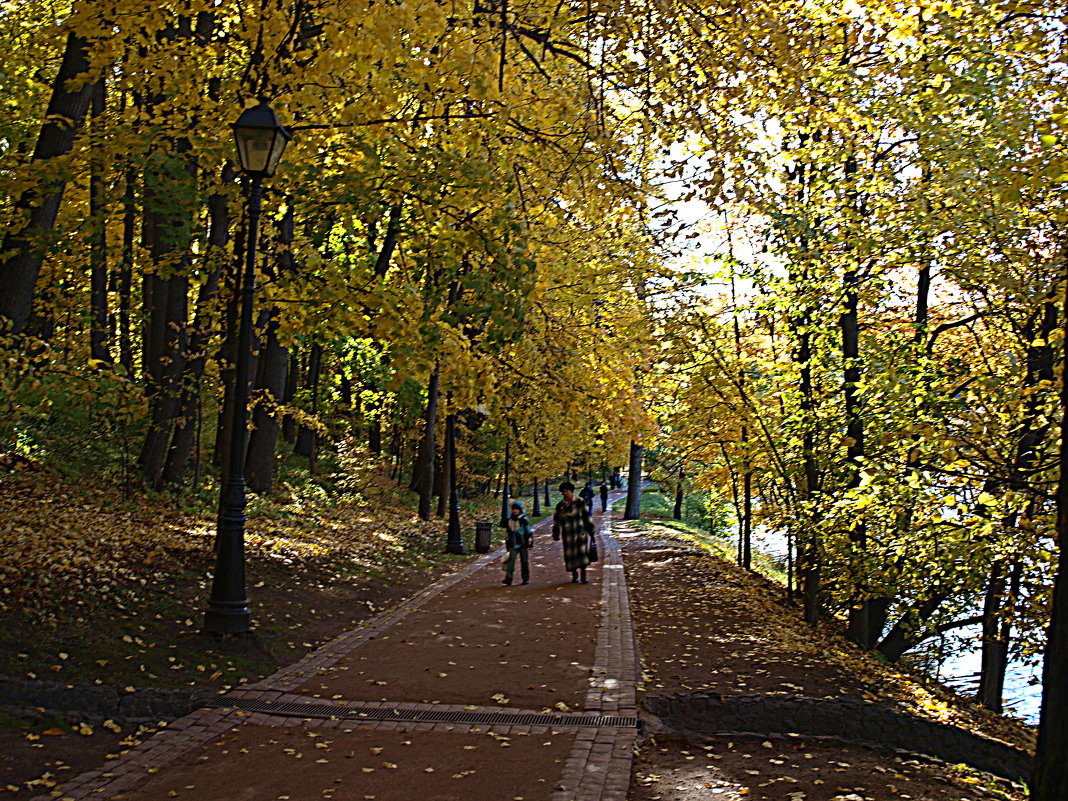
(228, 618)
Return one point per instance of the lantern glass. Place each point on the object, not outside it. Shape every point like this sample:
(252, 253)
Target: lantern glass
(261, 140)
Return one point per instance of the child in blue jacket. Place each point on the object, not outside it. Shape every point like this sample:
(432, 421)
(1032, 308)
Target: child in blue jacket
(520, 539)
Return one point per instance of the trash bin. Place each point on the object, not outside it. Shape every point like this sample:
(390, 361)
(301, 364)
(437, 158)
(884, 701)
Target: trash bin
(483, 535)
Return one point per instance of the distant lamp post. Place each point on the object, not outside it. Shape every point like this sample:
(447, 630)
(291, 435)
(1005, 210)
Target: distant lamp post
(261, 140)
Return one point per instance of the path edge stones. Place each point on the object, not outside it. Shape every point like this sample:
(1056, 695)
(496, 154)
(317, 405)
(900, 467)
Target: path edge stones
(599, 766)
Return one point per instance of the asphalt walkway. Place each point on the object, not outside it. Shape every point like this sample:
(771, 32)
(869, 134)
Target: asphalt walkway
(468, 690)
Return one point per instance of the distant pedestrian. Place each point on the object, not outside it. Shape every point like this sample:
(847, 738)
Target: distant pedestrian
(587, 496)
(573, 523)
(604, 497)
(520, 539)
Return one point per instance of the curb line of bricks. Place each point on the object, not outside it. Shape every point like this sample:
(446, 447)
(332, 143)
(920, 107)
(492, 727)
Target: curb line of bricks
(599, 766)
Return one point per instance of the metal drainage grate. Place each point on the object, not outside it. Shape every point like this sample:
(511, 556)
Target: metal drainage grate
(296, 709)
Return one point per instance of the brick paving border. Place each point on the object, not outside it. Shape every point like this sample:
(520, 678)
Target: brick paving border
(598, 768)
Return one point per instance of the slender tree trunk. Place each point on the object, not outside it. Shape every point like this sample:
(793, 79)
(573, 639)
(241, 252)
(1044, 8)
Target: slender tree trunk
(306, 436)
(633, 509)
(268, 393)
(1050, 781)
(188, 413)
(374, 432)
(129, 233)
(1051, 753)
(389, 241)
(441, 481)
(39, 205)
(228, 352)
(676, 513)
(165, 401)
(859, 628)
(994, 650)
(808, 546)
(548, 497)
(747, 519)
(289, 424)
(396, 449)
(185, 429)
(98, 250)
(423, 473)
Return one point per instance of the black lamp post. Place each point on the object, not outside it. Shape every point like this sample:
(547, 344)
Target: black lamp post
(455, 542)
(261, 140)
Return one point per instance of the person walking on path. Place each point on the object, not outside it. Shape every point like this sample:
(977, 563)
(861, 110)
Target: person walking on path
(587, 497)
(520, 539)
(572, 522)
(604, 497)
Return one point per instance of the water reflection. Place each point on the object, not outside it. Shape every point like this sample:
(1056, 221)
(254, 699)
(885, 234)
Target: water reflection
(960, 671)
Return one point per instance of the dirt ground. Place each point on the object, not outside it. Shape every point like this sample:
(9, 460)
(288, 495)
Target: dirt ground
(30, 767)
(704, 624)
(794, 769)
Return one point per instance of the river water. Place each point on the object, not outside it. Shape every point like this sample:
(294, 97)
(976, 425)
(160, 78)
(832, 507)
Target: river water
(1023, 687)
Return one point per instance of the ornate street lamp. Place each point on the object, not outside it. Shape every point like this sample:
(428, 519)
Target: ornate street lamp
(261, 140)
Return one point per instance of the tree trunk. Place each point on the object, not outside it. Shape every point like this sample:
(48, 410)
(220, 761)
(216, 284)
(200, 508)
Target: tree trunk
(423, 472)
(289, 425)
(306, 436)
(174, 295)
(374, 432)
(808, 543)
(184, 436)
(396, 448)
(858, 629)
(995, 650)
(633, 509)
(98, 249)
(268, 393)
(40, 205)
(907, 632)
(189, 403)
(676, 513)
(389, 241)
(747, 519)
(228, 353)
(441, 481)
(129, 229)
(1050, 781)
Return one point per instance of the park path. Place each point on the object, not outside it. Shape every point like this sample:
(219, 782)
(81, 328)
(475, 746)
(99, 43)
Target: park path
(469, 689)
